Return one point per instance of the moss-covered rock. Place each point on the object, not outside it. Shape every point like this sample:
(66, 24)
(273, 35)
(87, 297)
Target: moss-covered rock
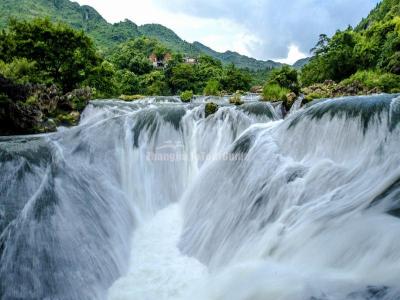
(257, 89)
(236, 99)
(129, 98)
(290, 99)
(331, 89)
(68, 119)
(210, 108)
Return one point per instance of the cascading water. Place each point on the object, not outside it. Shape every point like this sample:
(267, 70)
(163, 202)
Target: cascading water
(151, 200)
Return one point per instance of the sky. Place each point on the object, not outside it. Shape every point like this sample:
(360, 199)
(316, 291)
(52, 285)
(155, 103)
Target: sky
(281, 30)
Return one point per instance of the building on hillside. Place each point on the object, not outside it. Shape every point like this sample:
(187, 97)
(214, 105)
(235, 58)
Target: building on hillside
(160, 63)
(190, 60)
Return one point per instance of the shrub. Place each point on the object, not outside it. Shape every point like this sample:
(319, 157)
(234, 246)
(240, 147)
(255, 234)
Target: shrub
(274, 92)
(20, 70)
(387, 82)
(186, 96)
(285, 77)
(212, 88)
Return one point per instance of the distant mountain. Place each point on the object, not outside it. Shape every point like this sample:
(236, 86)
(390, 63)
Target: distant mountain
(301, 63)
(237, 59)
(108, 35)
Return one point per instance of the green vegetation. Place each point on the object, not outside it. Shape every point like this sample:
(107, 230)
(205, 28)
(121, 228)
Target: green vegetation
(130, 97)
(282, 85)
(107, 36)
(286, 77)
(275, 92)
(368, 55)
(212, 88)
(49, 71)
(186, 96)
(384, 82)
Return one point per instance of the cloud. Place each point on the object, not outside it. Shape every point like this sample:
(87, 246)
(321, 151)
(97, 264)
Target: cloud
(276, 26)
(264, 29)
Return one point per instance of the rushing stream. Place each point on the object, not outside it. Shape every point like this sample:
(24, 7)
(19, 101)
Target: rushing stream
(151, 200)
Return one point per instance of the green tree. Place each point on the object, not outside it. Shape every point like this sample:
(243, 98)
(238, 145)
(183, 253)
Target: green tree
(285, 77)
(21, 70)
(127, 82)
(155, 84)
(234, 79)
(212, 88)
(67, 56)
(183, 78)
(104, 80)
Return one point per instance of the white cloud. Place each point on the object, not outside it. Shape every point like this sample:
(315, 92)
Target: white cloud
(294, 55)
(264, 29)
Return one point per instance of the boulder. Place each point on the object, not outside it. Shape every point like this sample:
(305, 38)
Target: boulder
(210, 108)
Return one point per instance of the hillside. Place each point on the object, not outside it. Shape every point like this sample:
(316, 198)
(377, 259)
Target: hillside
(237, 59)
(301, 63)
(108, 35)
(79, 17)
(383, 12)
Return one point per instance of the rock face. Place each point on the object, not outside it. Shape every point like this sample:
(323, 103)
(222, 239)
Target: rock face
(26, 109)
(18, 118)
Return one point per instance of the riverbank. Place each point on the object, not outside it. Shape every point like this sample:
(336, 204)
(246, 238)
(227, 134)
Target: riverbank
(37, 108)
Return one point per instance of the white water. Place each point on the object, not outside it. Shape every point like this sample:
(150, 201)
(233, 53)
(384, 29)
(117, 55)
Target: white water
(157, 268)
(138, 202)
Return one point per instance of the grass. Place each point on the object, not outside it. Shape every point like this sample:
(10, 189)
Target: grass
(274, 92)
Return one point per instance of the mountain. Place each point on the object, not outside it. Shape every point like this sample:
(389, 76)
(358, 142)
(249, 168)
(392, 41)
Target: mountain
(384, 11)
(237, 59)
(108, 35)
(301, 63)
(80, 17)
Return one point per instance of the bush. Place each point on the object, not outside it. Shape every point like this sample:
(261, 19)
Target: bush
(274, 92)
(127, 82)
(186, 96)
(234, 79)
(20, 70)
(285, 77)
(386, 82)
(212, 88)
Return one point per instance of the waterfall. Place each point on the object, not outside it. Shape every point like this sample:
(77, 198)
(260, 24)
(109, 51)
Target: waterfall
(153, 200)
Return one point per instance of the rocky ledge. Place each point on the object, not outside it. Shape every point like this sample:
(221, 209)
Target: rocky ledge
(28, 109)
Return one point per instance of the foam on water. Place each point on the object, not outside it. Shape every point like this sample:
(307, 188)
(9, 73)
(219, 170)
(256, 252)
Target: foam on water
(138, 202)
(157, 269)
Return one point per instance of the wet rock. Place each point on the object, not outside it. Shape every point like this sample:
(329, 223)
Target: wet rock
(68, 119)
(258, 89)
(26, 109)
(19, 118)
(290, 99)
(236, 99)
(210, 108)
